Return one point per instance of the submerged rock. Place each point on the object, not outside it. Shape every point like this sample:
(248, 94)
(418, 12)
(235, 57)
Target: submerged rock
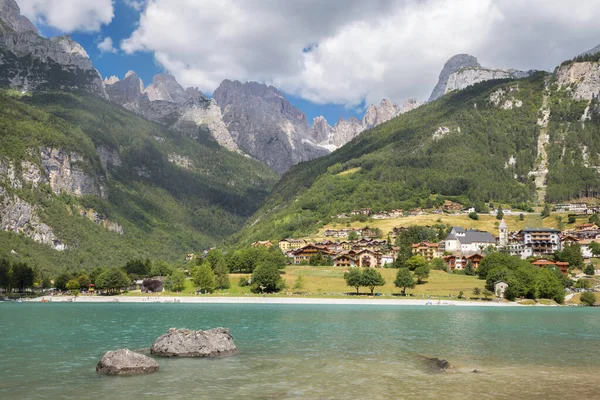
(189, 343)
(125, 362)
(440, 364)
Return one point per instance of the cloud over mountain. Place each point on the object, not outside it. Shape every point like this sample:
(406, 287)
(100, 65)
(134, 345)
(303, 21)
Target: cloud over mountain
(69, 15)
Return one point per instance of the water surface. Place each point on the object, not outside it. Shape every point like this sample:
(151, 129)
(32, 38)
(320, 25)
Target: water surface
(50, 351)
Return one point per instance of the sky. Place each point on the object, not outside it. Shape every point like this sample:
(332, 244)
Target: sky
(330, 57)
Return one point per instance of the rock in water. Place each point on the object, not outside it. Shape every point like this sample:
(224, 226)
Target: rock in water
(125, 362)
(188, 343)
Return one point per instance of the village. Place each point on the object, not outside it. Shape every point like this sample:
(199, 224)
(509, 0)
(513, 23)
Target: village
(369, 247)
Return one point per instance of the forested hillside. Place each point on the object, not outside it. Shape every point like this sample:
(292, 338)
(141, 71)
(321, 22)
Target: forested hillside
(86, 183)
(517, 142)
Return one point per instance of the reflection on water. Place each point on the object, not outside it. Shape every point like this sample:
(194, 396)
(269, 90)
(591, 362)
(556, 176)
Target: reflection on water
(311, 352)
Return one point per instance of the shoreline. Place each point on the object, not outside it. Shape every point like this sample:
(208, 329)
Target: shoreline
(268, 300)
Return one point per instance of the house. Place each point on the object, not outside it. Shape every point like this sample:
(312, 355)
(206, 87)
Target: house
(387, 259)
(291, 244)
(306, 252)
(543, 241)
(368, 258)
(499, 288)
(451, 206)
(586, 251)
(265, 243)
(345, 259)
(426, 249)
(468, 241)
(459, 262)
(544, 263)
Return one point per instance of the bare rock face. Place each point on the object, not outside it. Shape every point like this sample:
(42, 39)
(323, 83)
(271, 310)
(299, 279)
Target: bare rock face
(466, 77)
(31, 62)
(17, 215)
(452, 65)
(125, 362)
(165, 101)
(264, 124)
(11, 15)
(581, 78)
(65, 174)
(321, 130)
(188, 343)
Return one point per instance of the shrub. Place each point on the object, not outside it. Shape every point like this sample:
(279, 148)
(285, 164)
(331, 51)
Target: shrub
(473, 215)
(588, 298)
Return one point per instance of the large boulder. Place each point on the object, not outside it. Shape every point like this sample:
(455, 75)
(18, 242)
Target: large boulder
(188, 343)
(125, 362)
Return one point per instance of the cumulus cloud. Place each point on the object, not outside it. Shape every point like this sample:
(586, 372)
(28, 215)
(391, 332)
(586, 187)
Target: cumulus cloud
(137, 5)
(69, 15)
(106, 45)
(348, 51)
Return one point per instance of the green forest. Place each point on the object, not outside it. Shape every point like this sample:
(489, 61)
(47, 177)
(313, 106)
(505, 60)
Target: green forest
(165, 210)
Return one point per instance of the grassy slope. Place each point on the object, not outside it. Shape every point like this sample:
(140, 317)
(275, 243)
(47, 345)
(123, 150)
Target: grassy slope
(164, 216)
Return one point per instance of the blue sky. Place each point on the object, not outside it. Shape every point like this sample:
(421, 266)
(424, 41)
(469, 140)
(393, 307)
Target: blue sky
(143, 63)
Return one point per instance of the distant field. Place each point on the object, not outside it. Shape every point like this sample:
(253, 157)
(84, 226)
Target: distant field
(485, 222)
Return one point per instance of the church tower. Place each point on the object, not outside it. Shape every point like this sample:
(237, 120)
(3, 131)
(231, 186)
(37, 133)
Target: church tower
(503, 237)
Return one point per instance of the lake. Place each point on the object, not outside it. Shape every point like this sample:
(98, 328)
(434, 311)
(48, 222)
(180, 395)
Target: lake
(50, 351)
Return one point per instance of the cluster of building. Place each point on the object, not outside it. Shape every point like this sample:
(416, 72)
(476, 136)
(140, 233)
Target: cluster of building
(460, 248)
(352, 253)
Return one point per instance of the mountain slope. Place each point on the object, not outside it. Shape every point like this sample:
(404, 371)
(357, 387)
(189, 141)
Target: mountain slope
(85, 183)
(476, 144)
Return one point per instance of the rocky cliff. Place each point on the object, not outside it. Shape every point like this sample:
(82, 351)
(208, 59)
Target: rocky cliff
(463, 70)
(165, 101)
(452, 65)
(31, 62)
(345, 130)
(581, 79)
(265, 125)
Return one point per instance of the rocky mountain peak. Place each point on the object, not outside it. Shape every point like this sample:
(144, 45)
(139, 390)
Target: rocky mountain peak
(10, 14)
(455, 63)
(111, 80)
(124, 91)
(321, 130)
(166, 88)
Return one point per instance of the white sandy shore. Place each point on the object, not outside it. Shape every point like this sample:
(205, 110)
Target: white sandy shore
(271, 300)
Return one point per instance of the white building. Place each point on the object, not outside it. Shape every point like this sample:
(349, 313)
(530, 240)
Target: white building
(542, 241)
(468, 241)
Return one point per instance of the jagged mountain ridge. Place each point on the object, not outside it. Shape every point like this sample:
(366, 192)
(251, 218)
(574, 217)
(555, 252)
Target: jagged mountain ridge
(165, 101)
(345, 130)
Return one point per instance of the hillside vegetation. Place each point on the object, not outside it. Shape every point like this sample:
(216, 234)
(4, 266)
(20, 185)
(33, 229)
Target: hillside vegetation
(166, 209)
(476, 145)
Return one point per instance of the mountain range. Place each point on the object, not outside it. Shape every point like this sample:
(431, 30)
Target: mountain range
(110, 169)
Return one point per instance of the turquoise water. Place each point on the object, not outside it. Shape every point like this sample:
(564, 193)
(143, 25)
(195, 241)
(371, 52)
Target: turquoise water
(49, 351)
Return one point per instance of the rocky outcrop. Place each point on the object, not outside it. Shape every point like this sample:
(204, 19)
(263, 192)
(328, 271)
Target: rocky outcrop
(439, 364)
(452, 65)
(344, 130)
(468, 76)
(181, 161)
(463, 70)
(65, 173)
(264, 124)
(17, 215)
(188, 343)
(506, 98)
(165, 101)
(11, 15)
(582, 79)
(125, 362)
(31, 62)
(101, 220)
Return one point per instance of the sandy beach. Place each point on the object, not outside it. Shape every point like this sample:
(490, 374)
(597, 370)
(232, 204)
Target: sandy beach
(270, 300)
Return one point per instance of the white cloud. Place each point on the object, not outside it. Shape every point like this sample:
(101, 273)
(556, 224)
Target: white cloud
(356, 50)
(69, 15)
(106, 45)
(137, 5)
